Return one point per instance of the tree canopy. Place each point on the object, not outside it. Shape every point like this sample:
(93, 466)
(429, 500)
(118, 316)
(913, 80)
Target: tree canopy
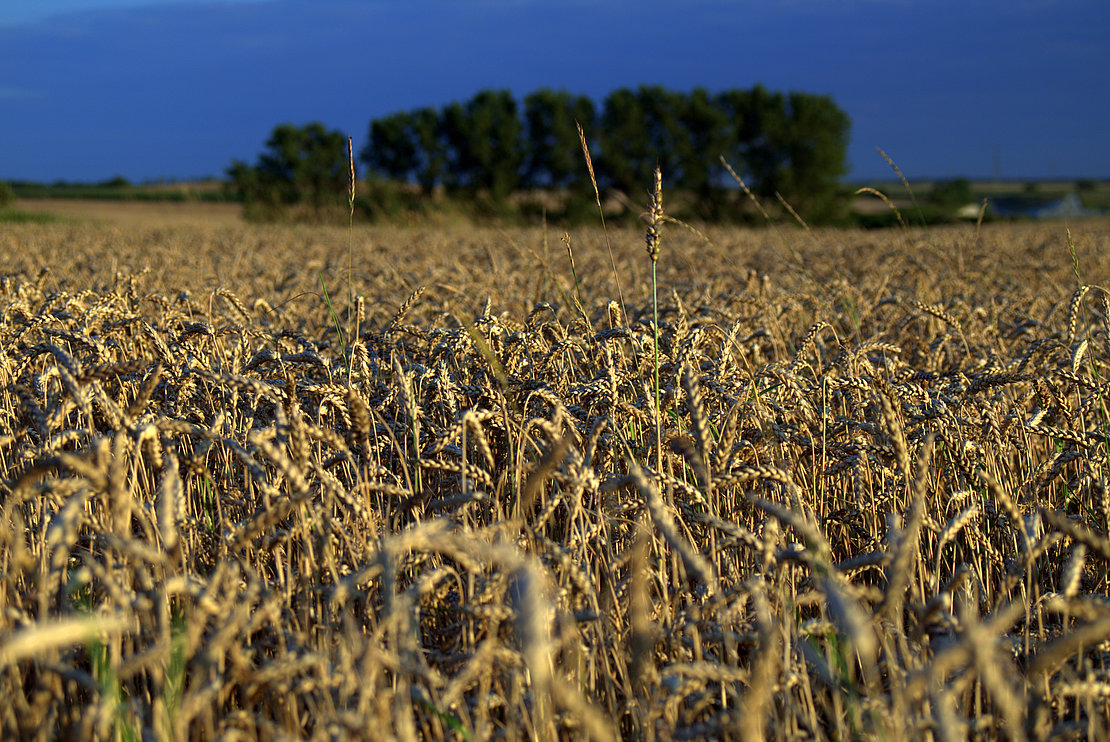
(303, 166)
(792, 145)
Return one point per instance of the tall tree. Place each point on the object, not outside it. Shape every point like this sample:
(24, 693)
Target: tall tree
(639, 131)
(763, 135)
(553, 151)
(310, 162)
(434, 167)
(816, 147)
(7, 195)
(454, 132)
(304, 165)
(793, 145)
(393, 149)
(486, 143)
(733, 105)
(663, 111)
(704, 135)
(624, 140)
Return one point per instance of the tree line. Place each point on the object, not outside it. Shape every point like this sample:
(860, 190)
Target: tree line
(492, 145)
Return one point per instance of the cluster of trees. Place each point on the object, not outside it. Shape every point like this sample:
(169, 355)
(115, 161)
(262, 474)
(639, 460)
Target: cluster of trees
(792, 144)
(304, 168)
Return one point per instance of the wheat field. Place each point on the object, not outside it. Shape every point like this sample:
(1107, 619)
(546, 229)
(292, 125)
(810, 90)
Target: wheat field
(433, 504)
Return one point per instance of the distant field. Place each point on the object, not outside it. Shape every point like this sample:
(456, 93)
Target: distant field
(234, 506)
(210, 202)
(134, 213)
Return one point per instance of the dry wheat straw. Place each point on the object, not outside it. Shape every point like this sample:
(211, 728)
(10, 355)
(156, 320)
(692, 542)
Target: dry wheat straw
(460, 534)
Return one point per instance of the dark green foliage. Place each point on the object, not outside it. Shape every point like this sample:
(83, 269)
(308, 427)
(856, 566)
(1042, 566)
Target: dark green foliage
(554, 155)
(750, 147)
(7, 195)
(303, 168)
(385, 200)
(816, 143)
(640, 130)
(409, 146)
(704, 129)
(393, 149)
(433, 165)
(952, 194)
(485, 143)
(792, 145)
(623, 141)
(116, 182)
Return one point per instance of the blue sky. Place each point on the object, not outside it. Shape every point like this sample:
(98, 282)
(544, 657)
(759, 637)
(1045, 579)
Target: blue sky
(154, 89)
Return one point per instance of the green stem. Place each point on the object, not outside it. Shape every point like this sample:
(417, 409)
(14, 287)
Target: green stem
(338, 327)
(655, 331)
